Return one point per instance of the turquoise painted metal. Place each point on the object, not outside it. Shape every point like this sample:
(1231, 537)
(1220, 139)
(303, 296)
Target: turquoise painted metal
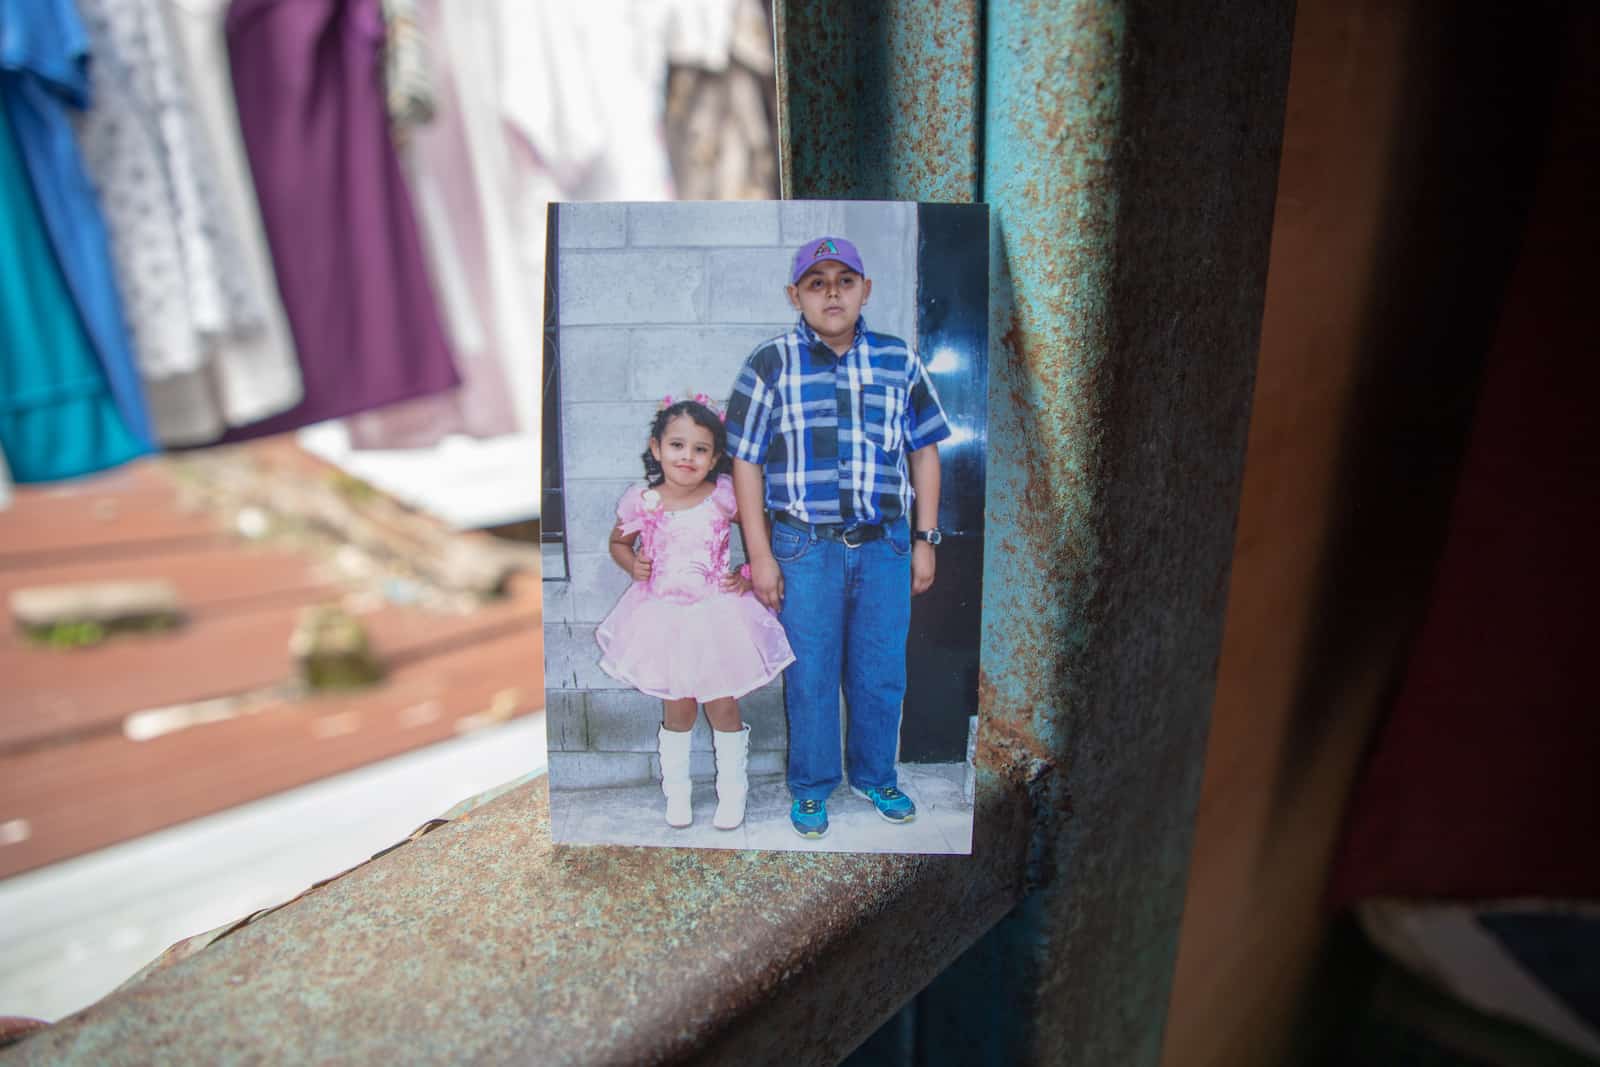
(1129, 158)
(880, 101)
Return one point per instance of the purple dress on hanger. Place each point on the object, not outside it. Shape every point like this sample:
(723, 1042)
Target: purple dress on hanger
(308, 75)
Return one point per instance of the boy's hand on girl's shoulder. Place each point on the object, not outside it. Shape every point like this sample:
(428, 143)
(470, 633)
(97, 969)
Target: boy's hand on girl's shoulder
(923, 564)
(767, 581)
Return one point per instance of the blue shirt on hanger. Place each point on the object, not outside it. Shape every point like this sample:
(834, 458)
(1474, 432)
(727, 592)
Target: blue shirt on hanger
(57, 415)
(44, 59)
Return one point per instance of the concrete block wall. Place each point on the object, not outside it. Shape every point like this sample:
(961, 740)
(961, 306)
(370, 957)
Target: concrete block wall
(657, 299)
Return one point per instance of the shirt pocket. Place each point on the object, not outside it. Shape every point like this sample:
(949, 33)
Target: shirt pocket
(883, 412)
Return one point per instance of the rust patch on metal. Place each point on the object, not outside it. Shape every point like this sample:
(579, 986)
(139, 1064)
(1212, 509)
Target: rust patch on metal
(880, 101)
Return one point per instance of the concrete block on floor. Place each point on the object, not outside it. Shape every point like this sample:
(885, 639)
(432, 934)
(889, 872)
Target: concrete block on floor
(599, 770)
(566, 726)
(633, 816)
(763, 710)
(571, 658)
(623, 720)
(556, 602)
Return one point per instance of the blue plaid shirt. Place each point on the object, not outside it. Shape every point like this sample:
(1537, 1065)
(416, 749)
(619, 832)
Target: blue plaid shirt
(832, 432)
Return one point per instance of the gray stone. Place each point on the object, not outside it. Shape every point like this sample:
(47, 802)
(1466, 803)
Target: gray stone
(806, 219)
(597, 584)
(556, 605)
(763, 710)
(623, 720)
(592, 511)
(552, 560)
(627, 721)
(571, 658)
(617, 288)
(603, 440)
(565, 725)
(595, 362)
(592, 225)
(748, 285)
(148, 601)
(673, 360)
(769, 763)
(703, 223)
(599, 770)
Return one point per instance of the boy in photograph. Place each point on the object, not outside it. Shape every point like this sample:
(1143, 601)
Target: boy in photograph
(833, 430)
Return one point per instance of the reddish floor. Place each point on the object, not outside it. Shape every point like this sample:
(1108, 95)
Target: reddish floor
(72, 781)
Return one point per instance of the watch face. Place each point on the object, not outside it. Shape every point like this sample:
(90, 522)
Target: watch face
(933, 537)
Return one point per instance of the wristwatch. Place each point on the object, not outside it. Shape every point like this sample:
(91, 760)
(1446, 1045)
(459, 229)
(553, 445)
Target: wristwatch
(933, 536)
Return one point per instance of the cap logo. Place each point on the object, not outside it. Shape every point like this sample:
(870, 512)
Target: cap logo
(826, 248)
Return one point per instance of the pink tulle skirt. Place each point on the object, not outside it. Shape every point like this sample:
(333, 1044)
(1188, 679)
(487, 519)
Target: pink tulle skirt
(721, 646)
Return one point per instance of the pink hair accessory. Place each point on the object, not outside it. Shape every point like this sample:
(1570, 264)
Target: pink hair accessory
(703, 399)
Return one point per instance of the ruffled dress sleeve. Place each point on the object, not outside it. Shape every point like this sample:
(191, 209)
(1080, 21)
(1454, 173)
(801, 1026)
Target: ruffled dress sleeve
(631, 510)
(723, 499)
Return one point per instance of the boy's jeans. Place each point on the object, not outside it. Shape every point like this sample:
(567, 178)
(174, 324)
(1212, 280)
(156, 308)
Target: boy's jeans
(846, 611)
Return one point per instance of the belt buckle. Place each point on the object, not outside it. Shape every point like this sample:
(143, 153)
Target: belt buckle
(852, 538)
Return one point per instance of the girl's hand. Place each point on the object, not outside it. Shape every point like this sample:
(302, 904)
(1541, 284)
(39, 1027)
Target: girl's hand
(737, 581)
(641, 568)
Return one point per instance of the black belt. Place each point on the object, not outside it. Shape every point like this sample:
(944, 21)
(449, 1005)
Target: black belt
(854, 537)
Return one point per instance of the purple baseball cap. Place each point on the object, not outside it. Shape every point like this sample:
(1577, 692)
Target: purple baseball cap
(824, 248)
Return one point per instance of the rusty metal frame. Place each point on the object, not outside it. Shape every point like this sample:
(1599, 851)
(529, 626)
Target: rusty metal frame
(1129, 156)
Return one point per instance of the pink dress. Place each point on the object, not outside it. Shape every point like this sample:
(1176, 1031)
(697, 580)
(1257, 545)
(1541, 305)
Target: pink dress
(678, 634)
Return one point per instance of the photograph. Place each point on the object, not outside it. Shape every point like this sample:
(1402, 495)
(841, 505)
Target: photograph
(762, 523)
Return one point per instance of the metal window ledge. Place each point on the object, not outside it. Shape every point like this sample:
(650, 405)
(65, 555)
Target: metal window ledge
(484, 943)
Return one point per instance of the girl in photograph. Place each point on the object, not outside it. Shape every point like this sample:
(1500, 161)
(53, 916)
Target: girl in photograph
(688, 629)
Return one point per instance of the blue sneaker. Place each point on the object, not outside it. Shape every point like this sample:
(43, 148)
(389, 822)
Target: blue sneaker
(809, 818)
(892, 804)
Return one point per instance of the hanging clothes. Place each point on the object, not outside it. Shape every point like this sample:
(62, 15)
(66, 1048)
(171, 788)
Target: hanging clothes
(459, 191)
(43, 74)
(252, 374)
(585, 86)
(722, 103)
(407, 73)
(194, 315)
(308, 81)
(536, 103)
(58, 417)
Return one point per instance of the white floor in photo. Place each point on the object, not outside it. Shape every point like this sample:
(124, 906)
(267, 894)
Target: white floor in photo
(634, 815)
(72, 932)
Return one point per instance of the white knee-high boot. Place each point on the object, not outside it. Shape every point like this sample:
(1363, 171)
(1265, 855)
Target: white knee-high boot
(674, 746)
(733, 778)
